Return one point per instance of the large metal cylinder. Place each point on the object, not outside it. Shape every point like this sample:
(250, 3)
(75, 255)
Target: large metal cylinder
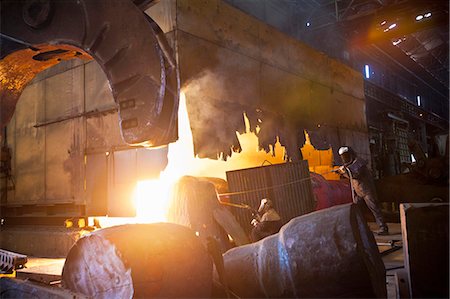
(330, 253)
(329, 193)
(139, 260)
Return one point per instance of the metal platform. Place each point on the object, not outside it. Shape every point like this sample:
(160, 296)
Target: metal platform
(44, 270)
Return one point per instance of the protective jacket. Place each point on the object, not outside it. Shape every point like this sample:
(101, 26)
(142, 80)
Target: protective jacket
(364, 188)
(361, 178)
(268, 224)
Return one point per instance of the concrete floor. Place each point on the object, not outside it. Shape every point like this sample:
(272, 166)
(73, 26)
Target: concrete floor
(46, 270)
(394, 260)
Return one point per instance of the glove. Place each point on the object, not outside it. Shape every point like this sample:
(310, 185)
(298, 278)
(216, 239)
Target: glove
(340, 170)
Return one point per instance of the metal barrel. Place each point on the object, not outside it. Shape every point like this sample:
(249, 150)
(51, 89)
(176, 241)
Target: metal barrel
(161, 260)
(329, 253)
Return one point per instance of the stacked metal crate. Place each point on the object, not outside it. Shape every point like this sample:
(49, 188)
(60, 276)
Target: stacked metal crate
(288, 185)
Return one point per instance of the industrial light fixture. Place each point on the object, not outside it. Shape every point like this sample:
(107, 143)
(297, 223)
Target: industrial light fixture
(382, 23)
(392, 26)
(367, 71)
(419, 102)
(422, 16)
(396, 42)
(308, 24)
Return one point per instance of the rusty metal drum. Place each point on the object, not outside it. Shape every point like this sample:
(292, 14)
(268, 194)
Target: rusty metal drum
(139, 260)
(328, 254)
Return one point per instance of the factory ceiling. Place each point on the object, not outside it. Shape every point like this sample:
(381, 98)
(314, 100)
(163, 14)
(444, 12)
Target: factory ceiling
(413, 34)
(418, 28)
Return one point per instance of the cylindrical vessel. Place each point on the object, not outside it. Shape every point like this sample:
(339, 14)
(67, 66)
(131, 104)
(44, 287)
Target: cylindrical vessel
(329, 193)
(330, 253)
(139, 260)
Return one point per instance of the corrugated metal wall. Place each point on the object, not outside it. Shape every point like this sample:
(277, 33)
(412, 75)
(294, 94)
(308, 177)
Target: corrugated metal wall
(66, 145)
(287, 185)
(48, 159)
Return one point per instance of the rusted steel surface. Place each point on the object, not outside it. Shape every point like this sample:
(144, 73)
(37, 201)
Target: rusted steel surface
(118, 36)
(325, 254)
(29, 236)
(247, 65)
(139, 260)
(20, 67)
(19, 288)
(195, 204)
(10, 261)
(288, 185)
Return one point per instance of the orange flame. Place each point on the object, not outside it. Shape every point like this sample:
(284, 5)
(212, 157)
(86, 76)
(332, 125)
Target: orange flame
(319, 161)
(151, 197)
(182, 161)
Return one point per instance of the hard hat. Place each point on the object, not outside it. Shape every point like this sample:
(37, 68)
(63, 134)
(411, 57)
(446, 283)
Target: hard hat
(264, 202)
(347, 154)
(344, 149)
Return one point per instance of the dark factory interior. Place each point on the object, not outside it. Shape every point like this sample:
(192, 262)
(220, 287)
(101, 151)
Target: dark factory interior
(224, 149)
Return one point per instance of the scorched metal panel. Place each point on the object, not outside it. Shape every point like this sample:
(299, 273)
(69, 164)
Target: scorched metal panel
(288, 185)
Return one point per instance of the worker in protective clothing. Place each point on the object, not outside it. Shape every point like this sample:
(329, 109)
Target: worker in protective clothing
(267, 224)
(363, 186)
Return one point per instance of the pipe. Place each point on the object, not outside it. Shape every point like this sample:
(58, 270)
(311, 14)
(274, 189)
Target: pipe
(139, 260)
(328, 254)
(330, 193)
(236, 205)
(399, 119)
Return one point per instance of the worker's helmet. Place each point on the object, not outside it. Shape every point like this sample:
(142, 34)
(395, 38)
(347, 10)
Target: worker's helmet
(347, 154)
(265, 204)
